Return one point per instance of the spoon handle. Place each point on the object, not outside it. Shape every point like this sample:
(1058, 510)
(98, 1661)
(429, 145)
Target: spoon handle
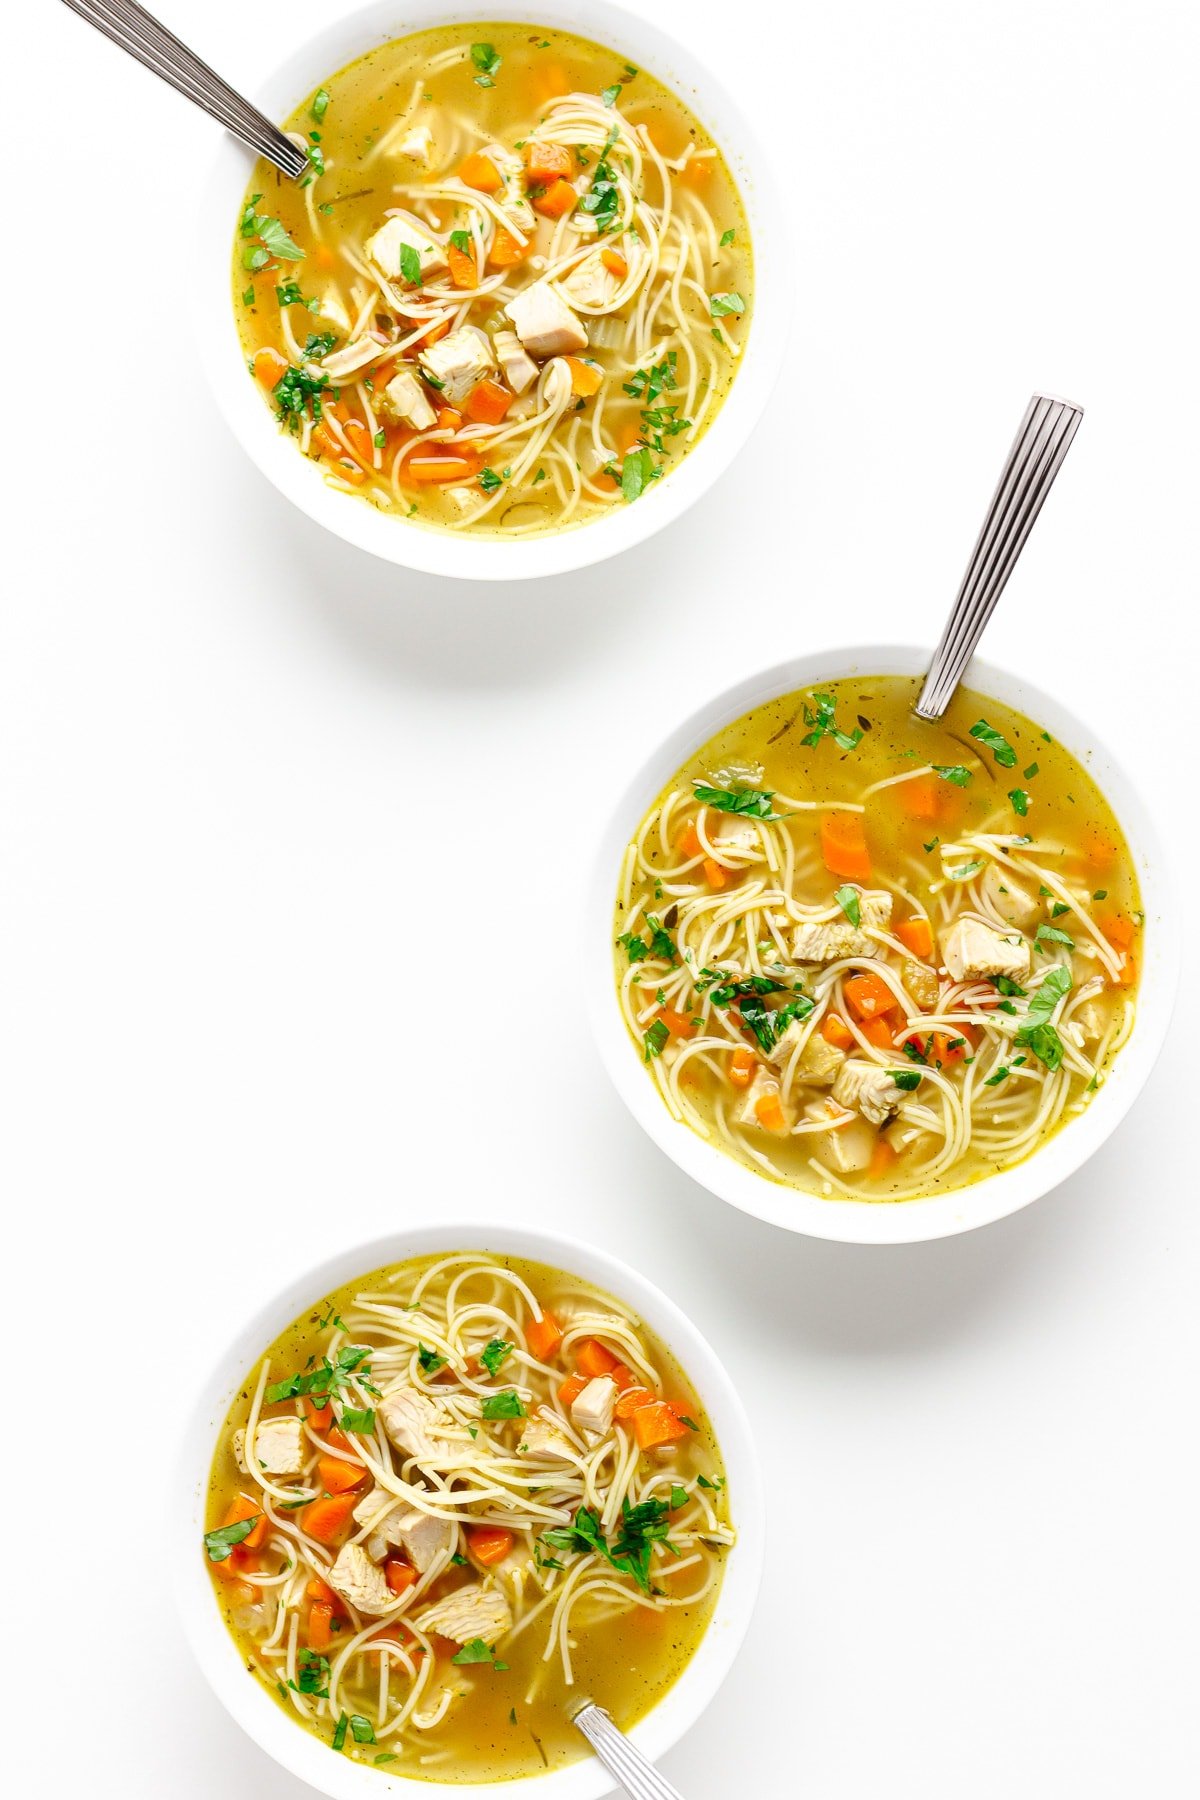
(1028, 475)
(137, 32)
(640, 1779)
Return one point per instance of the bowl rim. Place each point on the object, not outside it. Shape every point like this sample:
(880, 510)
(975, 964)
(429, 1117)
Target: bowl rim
(211, 1642)
(994, 1196)
(429, 550)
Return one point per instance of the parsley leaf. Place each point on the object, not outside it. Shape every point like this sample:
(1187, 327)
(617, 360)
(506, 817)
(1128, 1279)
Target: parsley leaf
(638, 470)
(361, 1730)
(954, 772)
(641, 1527)
(487, 62)
(611, 94)
(750, 803)
(461, 240)
(603, 199)
(497, 1352)
(219, 1543)
(327, 1378)
(908, 1079)
(410, 264)
(727, 237)
(721, 304)
(999, 745)
(320, 104)
(849, 900)
(477, 1652)
(1052, 934)
(655, 1039)
(503, 1406)
(1037, 1033)
(1020, 800)
(356, 1420)
(429, 1360)
(821, 716)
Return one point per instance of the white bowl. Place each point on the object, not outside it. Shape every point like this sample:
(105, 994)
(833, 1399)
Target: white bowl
(289, 1743)
(458, 554)
(857, 1221)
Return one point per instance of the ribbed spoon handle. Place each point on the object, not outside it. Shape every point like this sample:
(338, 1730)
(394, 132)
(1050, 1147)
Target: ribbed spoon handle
(141, 36)
(640, 1779)
(1046, 434)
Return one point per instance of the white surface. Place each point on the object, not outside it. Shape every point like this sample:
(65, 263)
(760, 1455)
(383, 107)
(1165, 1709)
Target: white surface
(256, 1709)
(253, 784)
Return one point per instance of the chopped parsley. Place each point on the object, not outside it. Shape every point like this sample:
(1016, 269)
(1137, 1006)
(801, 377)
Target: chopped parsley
(497, 1352)
(727, 237)
(487, 62)
(1052, 934)
(1020, 800)
(410, 264)
(327, 1378)
(722, 304)
(954, 772)
(999, 745)
(288, 294)
(1037, 1033)
(477, 1652)
(612, 94)
(489, 481)
(750, 803)
(219, 1543)
(503, 1406)
(849, 899)
(822, 717)
(641, 1527)
(461, 241)
(602, 201)
(964, 871)
(429, 1360)
(273, 240)
(908, 1079)
(638, 470)
(655, 1039)
(320, 104)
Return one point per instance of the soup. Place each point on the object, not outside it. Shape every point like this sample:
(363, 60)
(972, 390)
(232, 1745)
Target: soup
(513, 290)
(875, 957)
(460, 1494)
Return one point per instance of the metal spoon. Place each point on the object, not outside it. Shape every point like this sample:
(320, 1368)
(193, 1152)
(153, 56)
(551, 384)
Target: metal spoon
(640, 1779)
(1046, 434)
(151, 44)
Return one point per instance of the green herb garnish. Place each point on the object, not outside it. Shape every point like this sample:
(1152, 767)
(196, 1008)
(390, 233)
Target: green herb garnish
(999, 745)
(849, 899)
(503, 1406)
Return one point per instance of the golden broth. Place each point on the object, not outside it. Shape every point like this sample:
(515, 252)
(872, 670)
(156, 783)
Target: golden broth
(757, 956)
(626, 1645)
(663, 255)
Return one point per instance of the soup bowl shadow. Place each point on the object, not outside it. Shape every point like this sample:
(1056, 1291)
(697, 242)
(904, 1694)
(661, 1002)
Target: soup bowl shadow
(467, 556)
(260, 1716)
(993, 1196)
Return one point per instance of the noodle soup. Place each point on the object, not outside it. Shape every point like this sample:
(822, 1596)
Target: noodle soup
(457, 1496)
(513, 292)
(874, 957)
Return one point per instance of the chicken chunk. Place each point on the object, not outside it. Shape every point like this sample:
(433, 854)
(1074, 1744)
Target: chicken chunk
(846, 1149)
(414, 1423)
(1014, 903)
(459, 361)
(864, 1087)
(518, 367)
(921, 981)
(423, 1536)
(740, 841)
(973, 950)
(838, 937)
(418, 145)
(329, 310)
(819, 1061)
(590, 285)
(512, 197)
(760, 1088)
(547, 1443)
(405, 399)
(360, 1582)
(469, 1613)
(278, 1447)
(352, 358)
(545, 323)
(1093, 1020)
(592, 1410)
(384, 247)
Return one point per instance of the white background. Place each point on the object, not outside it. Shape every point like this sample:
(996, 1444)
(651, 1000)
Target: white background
(293, 845)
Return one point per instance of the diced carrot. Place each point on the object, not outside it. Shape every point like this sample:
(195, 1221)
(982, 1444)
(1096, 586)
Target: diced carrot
(559, 199)
(593, 1359)
(629, 436)
(381, 373)
(431, 467)
(715, 873)
(944, 1047)
(488, 402)
(325, 1518)
(868, 995)
(879, 1033)
(1117, 928)
(449, 419)
(325, 444)
(316, 1589)
(918, 797)
(548, 81)
(1126, 975)
(464, 272)
(398, 1574)
(346, 469)
(742, 1065)
(480, 172)
(489, 1544)
(916, 935)
(359, 440)
(623, 1375)
(433, 335)
(678, 1024)
(657, 1424)
(768, 1110)
(1099, 849)
(319, 1414)
(696, 171)
(632, 1401)
(615, 263)
(835, 1031)
(320, 1625)
(844, 846)
(237, 1565)
(323, 256)
(269, 366)
(339, 1477)
(241, 1507)
(688, 841)
(587, 378)
(506, 251)
(571, 1388)
(543, 1336)
(546, 162)
(336, 1439)
(882, 1158)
